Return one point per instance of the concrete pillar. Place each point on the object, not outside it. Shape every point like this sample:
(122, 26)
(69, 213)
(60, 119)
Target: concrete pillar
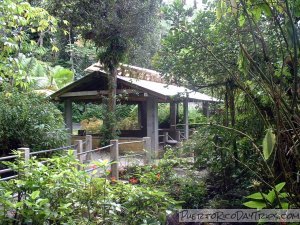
(205, 107)
(173, 116)
(143, 111)
(147, 148)
(152, 123)
(68, 115)
(186, 118)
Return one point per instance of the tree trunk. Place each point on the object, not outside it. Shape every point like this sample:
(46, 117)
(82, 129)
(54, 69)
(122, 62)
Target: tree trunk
(112, 92)
(232, 117)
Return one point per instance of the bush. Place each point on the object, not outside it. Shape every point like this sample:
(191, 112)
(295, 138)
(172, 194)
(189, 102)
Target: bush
(56, 192)
(92, 125)
(195, 115)
(29, 119)
(187, 187)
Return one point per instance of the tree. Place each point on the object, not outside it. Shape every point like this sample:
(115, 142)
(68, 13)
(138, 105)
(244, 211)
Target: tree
(252, 46)
(22, 27)
(41, 75)
(114, 26)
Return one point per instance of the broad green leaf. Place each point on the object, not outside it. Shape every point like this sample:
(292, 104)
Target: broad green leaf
(285, 205)
(42, 201)
(255, 204)
(279, 186)
(283, 195)
(242, 20)
(266, 9)
(256, 195)
(271, 196)
(268, 144)
(55, 49)
(256, 13)
(35, 194)
(218, 13)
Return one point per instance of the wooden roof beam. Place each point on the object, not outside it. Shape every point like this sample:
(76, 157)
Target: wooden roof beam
(96, 93)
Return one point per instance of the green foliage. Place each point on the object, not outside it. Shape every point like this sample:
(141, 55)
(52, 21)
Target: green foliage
(87, 111)
(268, 144)
(29, 119)
(92, 110)
(40, 75)
(248, 53)
(82, 54)
(195, 115)
(274, 199)
(129, 122)
(56, 192)
(18, 23)
(186, 188)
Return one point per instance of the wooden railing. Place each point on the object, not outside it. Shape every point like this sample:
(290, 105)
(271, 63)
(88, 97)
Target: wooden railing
(82, 151)
(25, 154)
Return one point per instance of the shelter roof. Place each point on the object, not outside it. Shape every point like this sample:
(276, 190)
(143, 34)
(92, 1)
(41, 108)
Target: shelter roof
(147, 82)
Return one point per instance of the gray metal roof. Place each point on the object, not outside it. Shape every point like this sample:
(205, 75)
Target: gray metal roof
(169, 90)
(147, 81)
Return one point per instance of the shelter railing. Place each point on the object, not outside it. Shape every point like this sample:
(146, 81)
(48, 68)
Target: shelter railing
(26, 154)
(83, 150)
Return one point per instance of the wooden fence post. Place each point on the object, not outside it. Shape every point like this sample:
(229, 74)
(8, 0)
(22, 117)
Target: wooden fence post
(178, 138)
(79, 149)
(147, 148)
(88, 145)
(166, 137)
(25, 153)
(114, 157)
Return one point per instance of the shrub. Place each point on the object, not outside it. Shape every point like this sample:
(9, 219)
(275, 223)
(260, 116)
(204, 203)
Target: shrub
(188, 188)
(195, 115)
(130, 122)
(29, 119)
(92, 125)
(56, 192)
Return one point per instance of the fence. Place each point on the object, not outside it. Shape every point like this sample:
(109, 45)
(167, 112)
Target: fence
(165, 138)
(25, 154)
(115, 158)
(83, 150)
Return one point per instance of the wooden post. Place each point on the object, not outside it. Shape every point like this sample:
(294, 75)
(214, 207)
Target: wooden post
(166, 137)
(68, 118)
(114, 157)
(25, 153)
(178, 136)
(79, 150)
(186, 118)
(147, 148)
(88, 145)
(205, 108)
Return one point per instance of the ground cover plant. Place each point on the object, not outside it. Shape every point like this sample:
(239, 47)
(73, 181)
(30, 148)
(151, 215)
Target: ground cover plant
(184, 186)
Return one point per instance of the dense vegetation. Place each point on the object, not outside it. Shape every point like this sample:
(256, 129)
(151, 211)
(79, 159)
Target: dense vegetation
(29, 120)
(244, 52)
(248, 52)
